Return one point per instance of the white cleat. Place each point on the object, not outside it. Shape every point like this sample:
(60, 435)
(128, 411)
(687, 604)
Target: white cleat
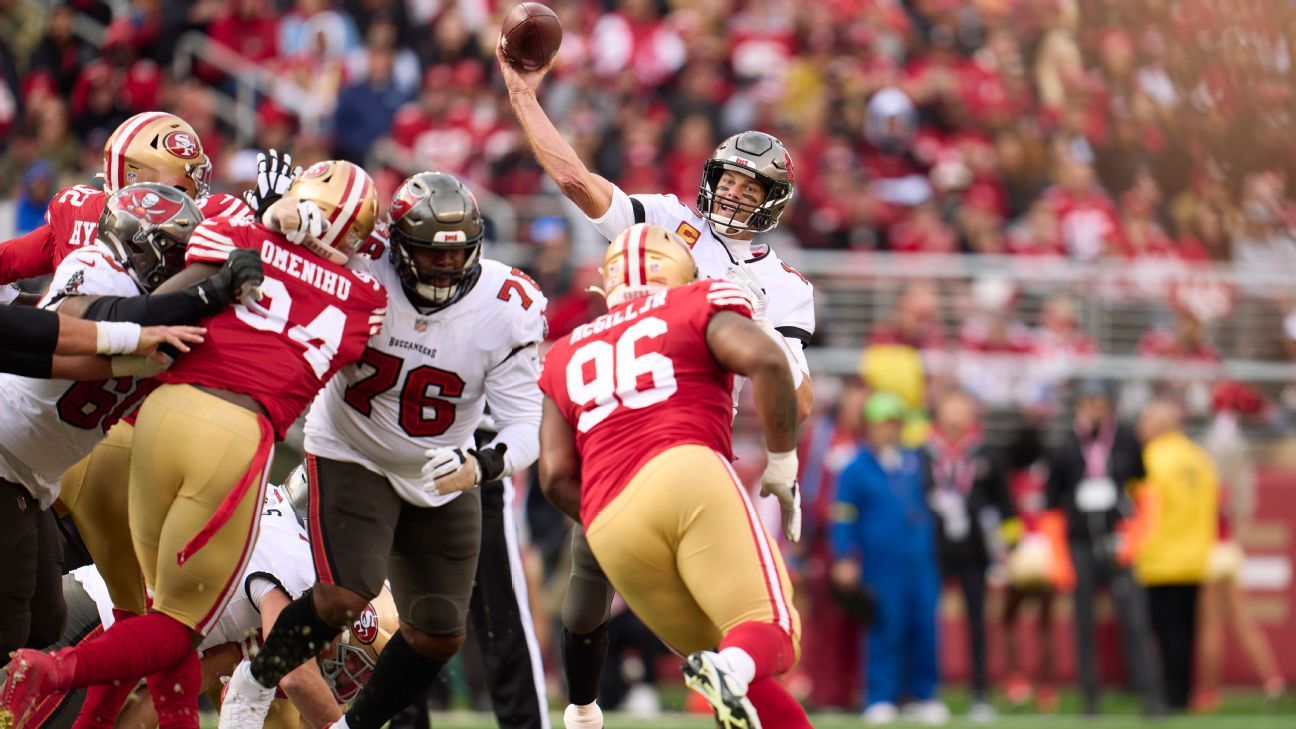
(246, 702)
(881, 713)
(707, 673)
(932, 712)
(589, 716)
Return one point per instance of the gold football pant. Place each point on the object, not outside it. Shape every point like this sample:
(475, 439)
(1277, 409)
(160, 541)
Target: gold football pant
(684, 547)
(190, 450)
(95, 493)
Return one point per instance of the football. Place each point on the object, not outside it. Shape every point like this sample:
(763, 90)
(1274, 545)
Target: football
(530, 36)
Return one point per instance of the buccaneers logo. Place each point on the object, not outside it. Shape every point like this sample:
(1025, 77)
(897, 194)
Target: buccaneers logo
(182, 145)
(365, 627)
(403, 201)
(148, 206)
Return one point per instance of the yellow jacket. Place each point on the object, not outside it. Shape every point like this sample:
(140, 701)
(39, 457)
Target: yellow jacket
(1180, 502)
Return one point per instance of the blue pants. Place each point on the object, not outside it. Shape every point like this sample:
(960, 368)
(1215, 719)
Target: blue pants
(901, 649)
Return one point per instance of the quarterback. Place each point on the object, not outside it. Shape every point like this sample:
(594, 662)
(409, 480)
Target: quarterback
(389, 445)
(636, 446)
(204, 436)
(745, 185)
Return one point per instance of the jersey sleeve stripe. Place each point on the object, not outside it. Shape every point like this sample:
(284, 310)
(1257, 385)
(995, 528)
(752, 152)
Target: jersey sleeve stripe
(737, 303)
(796, 333)
(206, 232)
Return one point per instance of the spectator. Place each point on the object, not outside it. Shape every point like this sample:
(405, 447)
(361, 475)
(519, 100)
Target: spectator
(312, 24)
(976, 520)
(34, 196)
(883, 540)
(54, 138)
(562, 279)
(1178, 502)
(1089, 473)
(250, 29)
(60, 54)
(365, 109)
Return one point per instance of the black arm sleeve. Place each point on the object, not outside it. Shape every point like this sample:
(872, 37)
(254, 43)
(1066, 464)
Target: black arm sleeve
(33, 331)
(180, 307)
(23, 364)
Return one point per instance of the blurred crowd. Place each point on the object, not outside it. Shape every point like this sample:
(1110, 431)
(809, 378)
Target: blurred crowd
(1075, 128)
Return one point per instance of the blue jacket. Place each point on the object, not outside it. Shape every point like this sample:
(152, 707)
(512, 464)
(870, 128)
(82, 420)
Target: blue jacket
(881, 516)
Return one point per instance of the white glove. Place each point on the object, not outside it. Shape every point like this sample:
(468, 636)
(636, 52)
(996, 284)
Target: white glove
(744, 276)
(297, 220)
(275, 173)
(449, 471)
(780, 480)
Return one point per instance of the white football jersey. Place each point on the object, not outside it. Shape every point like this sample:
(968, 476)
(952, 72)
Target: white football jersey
(281, 557)
(424, 381)
(49, 425)
(788, 297)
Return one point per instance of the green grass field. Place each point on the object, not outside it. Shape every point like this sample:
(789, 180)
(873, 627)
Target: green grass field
(1241, 710)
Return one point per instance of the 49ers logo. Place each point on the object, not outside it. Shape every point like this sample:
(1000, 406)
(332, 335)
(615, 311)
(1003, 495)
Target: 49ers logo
(365, 627)
(319, 169)
(182, 145)
(148, 206)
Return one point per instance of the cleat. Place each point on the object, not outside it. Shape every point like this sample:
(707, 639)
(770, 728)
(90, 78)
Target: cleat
(32, 676)
(246, 702)
(707, 674)
(589, 716)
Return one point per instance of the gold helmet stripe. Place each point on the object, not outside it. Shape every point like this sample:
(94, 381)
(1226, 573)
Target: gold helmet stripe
(125, 135)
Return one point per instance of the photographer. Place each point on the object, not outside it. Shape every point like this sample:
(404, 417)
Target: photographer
(1089, 473)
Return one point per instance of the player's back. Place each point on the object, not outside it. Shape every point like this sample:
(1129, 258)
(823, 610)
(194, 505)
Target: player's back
(641, 379)
(315, 316)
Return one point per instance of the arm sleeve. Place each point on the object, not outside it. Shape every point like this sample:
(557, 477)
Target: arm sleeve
(31, 331)
(28, 256)
(516, 404)
(36, 366)
(621, 214)
(180, 307)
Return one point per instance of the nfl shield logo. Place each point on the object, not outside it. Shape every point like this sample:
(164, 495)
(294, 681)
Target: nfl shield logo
(420, 325)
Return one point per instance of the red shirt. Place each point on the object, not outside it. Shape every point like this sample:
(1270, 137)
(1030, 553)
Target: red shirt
(315, 317)
(71, 222)
(679, 395)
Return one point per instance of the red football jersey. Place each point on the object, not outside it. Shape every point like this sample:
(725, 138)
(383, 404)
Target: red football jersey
(641, 379)
(71, 221)
(315, 317)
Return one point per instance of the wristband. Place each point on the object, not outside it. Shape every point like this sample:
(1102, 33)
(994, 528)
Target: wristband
(117, 337)
(780, 467)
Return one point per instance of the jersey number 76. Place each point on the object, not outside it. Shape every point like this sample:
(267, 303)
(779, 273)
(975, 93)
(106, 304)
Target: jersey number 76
(415, 402)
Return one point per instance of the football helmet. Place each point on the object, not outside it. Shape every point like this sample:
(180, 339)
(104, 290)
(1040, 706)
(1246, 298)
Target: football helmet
(147, 225)
(434, 211)
(755, 154)
(156, 147)
(355, 653)
(644, 259)
(345, 195)
(298, 489)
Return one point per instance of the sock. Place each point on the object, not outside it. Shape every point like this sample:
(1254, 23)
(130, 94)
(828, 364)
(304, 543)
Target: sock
(582, 658)
(400, 677)
(741, 662)
(130, 650)
(768, 646)
(298, 634)
(775, 706)
(175, 694)
(103, 701)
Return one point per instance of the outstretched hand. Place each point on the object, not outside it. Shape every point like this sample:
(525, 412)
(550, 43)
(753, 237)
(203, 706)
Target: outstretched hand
(516, 79)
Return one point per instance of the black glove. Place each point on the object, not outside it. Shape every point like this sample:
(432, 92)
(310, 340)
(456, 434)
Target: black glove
(857, 602)
(275, 173)
(241, 273)
(490, 462)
